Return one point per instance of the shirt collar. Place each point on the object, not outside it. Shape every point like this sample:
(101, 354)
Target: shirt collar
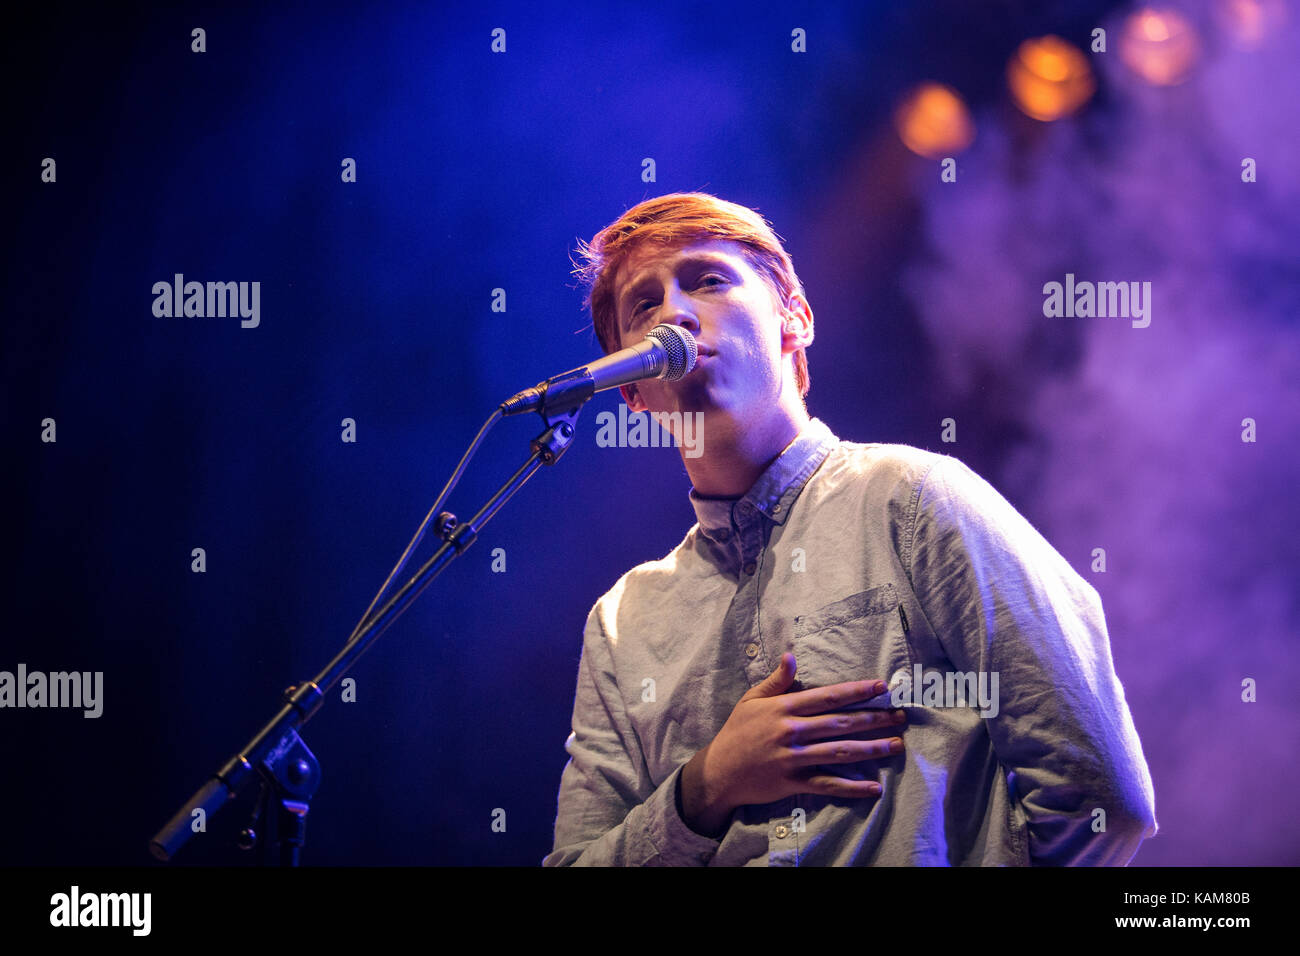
(776, 488)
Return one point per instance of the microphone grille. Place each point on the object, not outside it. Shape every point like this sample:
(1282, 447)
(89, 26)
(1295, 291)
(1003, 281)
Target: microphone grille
(680, 347)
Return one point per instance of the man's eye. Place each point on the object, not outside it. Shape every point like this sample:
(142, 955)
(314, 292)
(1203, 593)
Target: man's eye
(703, 280)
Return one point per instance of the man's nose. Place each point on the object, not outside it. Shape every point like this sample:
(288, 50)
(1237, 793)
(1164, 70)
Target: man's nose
(678, 310)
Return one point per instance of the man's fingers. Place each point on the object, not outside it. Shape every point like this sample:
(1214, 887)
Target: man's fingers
(825, 785)
(846, 751)
(823, 700)
(811, 729)
(776, 682)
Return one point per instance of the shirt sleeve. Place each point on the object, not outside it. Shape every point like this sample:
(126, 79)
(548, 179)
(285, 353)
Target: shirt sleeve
(609, 812)
(1002, 600)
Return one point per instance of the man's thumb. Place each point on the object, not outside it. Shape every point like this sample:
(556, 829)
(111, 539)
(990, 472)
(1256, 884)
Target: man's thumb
(777, 682)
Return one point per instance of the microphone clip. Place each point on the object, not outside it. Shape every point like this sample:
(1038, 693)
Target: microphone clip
(570, 390)
(557, 438)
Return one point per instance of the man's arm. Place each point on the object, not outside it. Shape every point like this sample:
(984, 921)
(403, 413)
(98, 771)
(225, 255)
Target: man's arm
(1001, 599)
(610, 813)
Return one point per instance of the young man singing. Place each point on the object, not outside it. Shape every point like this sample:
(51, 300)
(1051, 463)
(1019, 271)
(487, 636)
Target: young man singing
(861, 653)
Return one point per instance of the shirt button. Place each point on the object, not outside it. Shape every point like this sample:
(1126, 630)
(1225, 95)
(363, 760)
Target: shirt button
(776, 509)
(722, 534)
(751, 650)
(750, 567)
(782, 832)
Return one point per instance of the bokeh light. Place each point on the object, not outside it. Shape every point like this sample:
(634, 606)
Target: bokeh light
(1049, 78)
(1249, 23)
(1160, 46)
(933, 121)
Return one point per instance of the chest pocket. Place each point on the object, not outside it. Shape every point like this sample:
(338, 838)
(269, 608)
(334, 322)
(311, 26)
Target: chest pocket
(860, 637)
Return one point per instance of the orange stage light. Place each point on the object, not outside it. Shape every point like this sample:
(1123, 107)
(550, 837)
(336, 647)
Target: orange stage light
(933, 121)
(1049, 78)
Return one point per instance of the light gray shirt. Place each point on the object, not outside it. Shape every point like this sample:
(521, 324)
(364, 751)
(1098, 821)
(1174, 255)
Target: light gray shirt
(867, 561)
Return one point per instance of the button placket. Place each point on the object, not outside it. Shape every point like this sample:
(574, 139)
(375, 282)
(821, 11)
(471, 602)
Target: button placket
(748, 543)
(751, 538)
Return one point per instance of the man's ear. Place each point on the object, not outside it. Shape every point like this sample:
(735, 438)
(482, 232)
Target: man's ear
(633, 398)
(797, 327)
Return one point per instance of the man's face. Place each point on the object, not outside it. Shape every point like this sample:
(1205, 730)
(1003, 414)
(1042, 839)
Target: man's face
(709, 289)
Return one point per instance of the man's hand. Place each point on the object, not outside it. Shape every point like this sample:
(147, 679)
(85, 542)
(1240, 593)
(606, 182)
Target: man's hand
(771, 746)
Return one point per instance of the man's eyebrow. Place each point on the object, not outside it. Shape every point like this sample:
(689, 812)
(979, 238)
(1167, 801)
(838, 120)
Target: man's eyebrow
(695, 259)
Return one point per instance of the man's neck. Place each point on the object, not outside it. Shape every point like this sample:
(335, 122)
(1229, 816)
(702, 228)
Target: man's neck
(736, 453)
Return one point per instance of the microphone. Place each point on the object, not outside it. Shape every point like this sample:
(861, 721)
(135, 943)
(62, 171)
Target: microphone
(668, 353)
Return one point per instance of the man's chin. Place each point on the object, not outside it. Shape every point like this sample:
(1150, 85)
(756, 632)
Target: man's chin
(693, 394)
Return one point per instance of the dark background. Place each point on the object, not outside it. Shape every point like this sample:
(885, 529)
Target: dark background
(479, 171)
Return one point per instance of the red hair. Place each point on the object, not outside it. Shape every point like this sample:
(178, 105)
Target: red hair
(673, 221)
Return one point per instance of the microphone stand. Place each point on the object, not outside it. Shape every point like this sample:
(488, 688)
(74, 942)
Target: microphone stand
(288, 772)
